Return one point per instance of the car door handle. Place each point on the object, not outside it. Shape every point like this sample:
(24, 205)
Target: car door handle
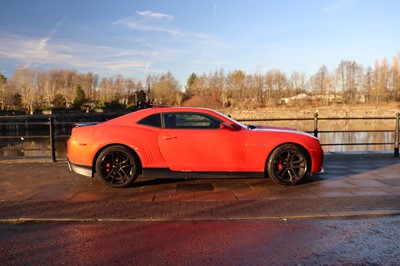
(168, 137)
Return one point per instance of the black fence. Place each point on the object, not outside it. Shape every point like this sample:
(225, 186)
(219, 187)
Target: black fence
(49, 129)
(53, 128)
(317, 130)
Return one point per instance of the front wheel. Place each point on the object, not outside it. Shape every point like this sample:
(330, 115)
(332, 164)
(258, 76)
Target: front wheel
(116, 166)
(287, 164)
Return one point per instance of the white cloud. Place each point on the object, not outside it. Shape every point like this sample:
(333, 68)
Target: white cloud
(135, 54)
(134, 24)
(137, 25)
(337, 6)
(43, 52)
(30, 49)
(150, 21)
(153, 15)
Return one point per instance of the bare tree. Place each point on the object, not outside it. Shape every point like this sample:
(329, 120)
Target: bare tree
(89, 83)
(197, 85)
(349, 77)
(46, 89)
(25, 83)
(368, 84)
(276, 84)
(259, 84)
(164, 91)
(217, 83)
(321, 85)
(381, 81)
(297, 83)
(106, 90)
(132, 87)
(3, 83)
(119, 90)
(395, 75)
(68, 82)
(152, 79)
(235, 82)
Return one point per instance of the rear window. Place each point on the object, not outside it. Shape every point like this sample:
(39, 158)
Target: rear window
(152, 121)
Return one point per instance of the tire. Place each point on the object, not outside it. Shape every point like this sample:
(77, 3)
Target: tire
(287, 164)
(117, 167)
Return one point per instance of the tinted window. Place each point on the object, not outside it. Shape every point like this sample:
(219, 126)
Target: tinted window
(190, 121)
(152, 120)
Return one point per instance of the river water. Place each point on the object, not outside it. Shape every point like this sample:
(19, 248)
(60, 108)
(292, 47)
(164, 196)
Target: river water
(27, 146)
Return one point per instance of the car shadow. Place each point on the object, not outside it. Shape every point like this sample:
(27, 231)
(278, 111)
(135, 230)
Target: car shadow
(311, 179)
(155, 182)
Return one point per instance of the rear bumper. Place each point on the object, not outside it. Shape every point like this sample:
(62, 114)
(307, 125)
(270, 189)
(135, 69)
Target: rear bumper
(80, 169)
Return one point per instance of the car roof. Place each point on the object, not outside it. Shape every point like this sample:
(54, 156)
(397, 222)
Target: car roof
(155, 110)
(140, 114)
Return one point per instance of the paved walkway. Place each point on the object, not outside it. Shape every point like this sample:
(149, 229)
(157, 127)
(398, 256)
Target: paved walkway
(352, 185)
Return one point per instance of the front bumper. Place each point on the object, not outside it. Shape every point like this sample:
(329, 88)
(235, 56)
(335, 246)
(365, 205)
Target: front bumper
(320, 172)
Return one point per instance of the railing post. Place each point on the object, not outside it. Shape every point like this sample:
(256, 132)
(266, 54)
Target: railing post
(396, 136)
(316, 125)
(52, 145)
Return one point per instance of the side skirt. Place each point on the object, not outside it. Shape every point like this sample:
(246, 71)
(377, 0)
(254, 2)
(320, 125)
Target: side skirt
(168, 174)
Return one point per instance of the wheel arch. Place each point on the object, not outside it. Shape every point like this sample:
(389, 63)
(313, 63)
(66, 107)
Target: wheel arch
(111, 145)
(306, 152)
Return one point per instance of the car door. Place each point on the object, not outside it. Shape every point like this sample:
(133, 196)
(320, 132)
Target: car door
(195, 142)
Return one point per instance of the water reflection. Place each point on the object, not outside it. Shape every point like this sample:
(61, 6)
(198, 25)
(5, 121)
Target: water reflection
(372, 141)
(341, 141)
(32, 147)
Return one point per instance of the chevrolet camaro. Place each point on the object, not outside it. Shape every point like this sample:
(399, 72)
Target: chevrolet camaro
(185, 142)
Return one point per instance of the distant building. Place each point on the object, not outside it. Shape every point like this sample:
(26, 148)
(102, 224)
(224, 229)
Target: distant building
(301, 96)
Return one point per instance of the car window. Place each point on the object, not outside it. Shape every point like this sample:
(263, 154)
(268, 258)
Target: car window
(190, 121)
(152, 120)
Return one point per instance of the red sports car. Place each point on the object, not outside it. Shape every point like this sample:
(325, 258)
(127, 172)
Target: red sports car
(180, 142)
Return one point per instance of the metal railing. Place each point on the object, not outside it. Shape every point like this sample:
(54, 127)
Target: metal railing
(317, 131)
(52, 124)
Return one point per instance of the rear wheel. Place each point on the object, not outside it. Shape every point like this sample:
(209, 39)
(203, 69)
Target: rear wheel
(287, 164)
(116, 166)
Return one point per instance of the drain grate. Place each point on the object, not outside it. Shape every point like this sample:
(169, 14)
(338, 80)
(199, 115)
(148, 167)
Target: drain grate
(194, 187)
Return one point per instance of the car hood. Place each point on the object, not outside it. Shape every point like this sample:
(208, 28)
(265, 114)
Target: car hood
(275, 128)
(281, 129)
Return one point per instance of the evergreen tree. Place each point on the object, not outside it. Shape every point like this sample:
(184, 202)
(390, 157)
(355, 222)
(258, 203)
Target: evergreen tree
(80, 96)
(192, 78)
(59, 101)
(3, 79)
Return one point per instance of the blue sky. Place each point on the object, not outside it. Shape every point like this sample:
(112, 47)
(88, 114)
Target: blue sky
(136, 38)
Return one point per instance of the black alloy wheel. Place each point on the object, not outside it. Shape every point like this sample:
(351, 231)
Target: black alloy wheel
(117, 167)
(287, 164)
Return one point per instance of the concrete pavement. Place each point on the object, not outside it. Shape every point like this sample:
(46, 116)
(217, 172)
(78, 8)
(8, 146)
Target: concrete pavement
(352, 185)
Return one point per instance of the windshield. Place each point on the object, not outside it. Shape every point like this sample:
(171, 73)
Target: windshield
(232, 120)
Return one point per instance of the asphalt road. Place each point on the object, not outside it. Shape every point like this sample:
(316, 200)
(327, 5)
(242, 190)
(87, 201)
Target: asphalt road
(357, 241)
(353, 185)
(50, 216)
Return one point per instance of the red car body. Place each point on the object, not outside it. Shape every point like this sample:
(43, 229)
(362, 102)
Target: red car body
(189, 143)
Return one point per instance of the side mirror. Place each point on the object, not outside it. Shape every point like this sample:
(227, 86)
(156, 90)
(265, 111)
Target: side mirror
(230, 127)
